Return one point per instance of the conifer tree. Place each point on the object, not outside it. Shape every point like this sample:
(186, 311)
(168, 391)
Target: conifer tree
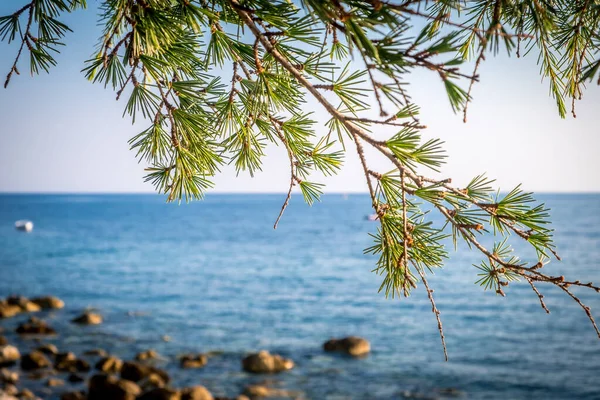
(216, 80)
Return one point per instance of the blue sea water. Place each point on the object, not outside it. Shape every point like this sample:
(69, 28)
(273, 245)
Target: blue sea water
(215, 276)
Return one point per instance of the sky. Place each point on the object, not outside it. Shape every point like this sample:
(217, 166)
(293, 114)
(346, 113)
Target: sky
(61, 133)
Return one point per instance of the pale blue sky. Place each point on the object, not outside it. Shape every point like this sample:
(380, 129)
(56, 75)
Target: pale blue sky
(60, 133)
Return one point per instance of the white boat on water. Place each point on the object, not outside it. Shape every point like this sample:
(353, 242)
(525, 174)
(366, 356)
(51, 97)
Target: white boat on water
(24, 225)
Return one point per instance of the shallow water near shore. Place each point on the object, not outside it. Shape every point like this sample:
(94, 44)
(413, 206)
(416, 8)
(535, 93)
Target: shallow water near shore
(215, 276)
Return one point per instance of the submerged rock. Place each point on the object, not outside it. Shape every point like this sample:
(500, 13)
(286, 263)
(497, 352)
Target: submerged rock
(196, 393)
(9, 355)
(35, 326)
(68, 362)
(351, 345)
(48, 302)
(88, 318)
(96, 352)
(263, 363)
(147, 355)
(105, 387)
(34, 360)
(110, 365)
(193, 361)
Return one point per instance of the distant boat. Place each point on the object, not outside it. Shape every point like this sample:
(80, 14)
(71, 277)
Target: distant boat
(24, 225)
(372, 217)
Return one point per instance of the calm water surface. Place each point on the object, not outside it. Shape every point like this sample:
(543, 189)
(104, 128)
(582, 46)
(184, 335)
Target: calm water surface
(214, 276)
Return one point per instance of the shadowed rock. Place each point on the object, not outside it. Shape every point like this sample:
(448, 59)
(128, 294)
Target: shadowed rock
(8, 376)
(136, 372)
(73, 396)
(88, 318)
(35, 326)
(161, 394)
(352, 345)
(68, 362)
(34, 360)
(264, 363)
(104, 387)
(49, 349)
(48, 302)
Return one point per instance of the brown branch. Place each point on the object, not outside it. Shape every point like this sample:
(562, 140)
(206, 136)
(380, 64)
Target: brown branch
(14, 69)
(540, 296)
(435, 311)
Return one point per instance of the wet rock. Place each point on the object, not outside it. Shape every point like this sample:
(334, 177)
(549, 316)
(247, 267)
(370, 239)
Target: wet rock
(49, 349)
(161, 394)
(147, 355)
(88, 318)
(3, 341)
(351, 345)
(74, 378)
(35, 326)
(48, 302)
(110, 365)
(9, 310)
(26, 394)
(264, 362)
(73, 396)
(11, 389)
(23, 303)
(196, 393)
(68, 362)
(34, 360)
(193, 361)
(9, 355)
(104, 387)
(8, 376)
(6, 396)
(136, 372)
(152, 381)
(96, 352)
(54, 382)
(261, 391)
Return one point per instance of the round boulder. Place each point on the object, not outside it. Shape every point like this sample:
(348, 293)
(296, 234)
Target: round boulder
(264, 363)
(147, 355)
(9, 310)
(104, 387)
(160, 394)
(136, 372)
(351, 345)
(196, 393)
(8, 376)
(109, 365)
(9, 355)
(68, 362)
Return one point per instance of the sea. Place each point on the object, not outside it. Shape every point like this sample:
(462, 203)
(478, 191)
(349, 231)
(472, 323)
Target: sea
(215, 277)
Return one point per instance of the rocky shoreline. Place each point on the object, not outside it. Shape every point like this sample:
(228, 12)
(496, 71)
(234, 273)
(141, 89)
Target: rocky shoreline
(97, 375)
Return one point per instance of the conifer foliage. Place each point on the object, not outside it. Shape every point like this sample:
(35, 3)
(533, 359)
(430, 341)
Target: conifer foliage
(217, 80)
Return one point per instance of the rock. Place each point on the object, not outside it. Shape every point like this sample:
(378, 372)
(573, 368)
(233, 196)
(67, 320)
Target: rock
(451, 392)
(34, 360)
(152, 381)
(110, 365)
(48, 302)
(11, 389)
(26, 394)
(41, 374)
(23, 303)
(136, 372)
(193, 361)
(161, 394)
(35, 326)
(351, 345)
(73, 396)
(5, 396)
(196, 393)
(263, 362)
(3, 341)
(74, 378)
(8, 376)
(68, 362)
(96, 352)
(261, 391)
(9, 310)
(9, 355)
(49, 349)
(147, 355)
(88, 318)
(105, 387)
(53, 382)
